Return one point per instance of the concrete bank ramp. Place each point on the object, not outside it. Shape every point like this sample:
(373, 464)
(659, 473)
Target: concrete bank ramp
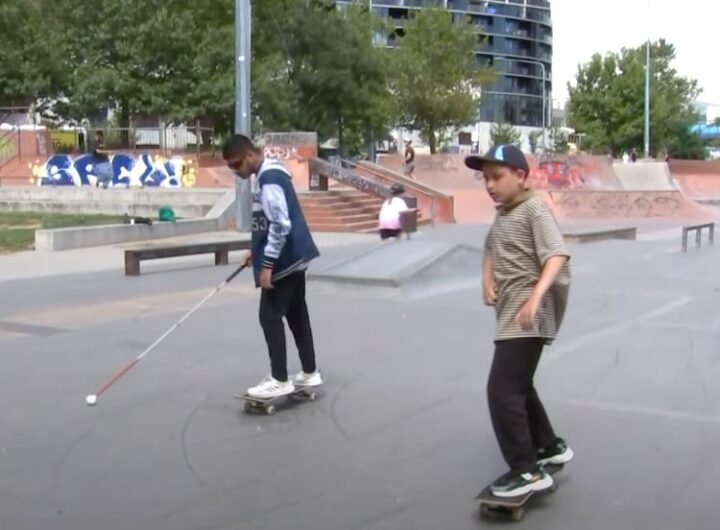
(644, 176)
(406, 269)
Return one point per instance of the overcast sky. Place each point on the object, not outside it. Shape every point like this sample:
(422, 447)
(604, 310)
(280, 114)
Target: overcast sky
(583, 27)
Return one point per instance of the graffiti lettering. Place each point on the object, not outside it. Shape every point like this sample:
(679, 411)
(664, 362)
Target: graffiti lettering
(589, 204)
(555, 174)
(127, 171)
(281, 152)
(291, 138)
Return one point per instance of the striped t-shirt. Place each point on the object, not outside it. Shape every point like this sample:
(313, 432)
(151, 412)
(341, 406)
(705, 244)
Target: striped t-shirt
(522, 238)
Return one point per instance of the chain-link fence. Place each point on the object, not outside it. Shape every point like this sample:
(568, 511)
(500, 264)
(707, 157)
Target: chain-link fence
(183, 139)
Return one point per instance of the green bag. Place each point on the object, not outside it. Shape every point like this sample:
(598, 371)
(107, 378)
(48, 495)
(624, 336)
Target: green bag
(166, 214)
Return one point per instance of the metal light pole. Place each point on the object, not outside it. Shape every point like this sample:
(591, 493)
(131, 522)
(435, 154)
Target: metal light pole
(647, 99)
(243, 23)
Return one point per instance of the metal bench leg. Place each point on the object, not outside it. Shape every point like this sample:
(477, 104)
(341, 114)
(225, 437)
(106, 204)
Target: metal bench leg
(698, 238)
(222, 257)
(684, 240)
(132, 265)
(712, 234)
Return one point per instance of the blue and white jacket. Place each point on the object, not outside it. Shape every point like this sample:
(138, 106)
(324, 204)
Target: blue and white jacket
(281, 238)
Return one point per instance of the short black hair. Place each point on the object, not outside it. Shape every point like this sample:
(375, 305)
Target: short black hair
(237, 146)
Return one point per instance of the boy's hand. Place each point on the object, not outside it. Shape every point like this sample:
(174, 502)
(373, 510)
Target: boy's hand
(266, 278)
(246, 259)
(489, 292)
(526, 316)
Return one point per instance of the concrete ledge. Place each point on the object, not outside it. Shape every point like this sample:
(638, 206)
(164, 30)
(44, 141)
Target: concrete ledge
(590, 236)
(224, 211)
(92, 236)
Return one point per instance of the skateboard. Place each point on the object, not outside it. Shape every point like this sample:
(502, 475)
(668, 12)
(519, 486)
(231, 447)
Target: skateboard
(267, 405)
(514, 505)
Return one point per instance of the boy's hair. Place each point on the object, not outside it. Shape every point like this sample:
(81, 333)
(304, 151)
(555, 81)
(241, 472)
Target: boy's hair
(238, 146)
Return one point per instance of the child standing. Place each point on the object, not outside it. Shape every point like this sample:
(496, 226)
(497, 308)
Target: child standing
(393, 207)
(526, 277)
(282, 248)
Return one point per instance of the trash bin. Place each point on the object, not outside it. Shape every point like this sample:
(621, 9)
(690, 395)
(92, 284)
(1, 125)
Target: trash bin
(408, 220)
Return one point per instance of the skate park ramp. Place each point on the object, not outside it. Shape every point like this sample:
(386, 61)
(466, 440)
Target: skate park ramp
(403, 269)
(577, 188)
(698, 179)
(632, 205)
(644, 176)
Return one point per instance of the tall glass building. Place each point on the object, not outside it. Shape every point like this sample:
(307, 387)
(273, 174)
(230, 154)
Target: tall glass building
(517, 44)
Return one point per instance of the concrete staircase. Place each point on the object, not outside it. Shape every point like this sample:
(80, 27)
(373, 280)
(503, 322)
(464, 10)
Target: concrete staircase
(344, 210)
(341, 210)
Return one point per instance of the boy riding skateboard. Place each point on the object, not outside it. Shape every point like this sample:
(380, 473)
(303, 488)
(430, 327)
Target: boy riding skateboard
(526, 276)
(282, 247)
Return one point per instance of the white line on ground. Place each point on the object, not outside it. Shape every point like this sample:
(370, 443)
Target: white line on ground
(633, 409)
(574, 344)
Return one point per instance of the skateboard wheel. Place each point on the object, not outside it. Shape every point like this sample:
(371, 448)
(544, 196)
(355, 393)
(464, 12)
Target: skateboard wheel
(270, 409)
(248, 407)
(518, 514)
(312, 396)
(484, 509)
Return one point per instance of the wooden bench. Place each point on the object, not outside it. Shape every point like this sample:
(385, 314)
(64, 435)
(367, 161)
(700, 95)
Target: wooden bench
(221, 249)
(698, 234)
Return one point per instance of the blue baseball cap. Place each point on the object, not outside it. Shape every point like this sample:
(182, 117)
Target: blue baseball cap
(507, 154)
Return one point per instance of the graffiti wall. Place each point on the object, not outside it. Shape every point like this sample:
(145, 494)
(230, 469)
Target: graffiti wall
(559, 172)
(294, 149)
(128, 171)
(623, 204)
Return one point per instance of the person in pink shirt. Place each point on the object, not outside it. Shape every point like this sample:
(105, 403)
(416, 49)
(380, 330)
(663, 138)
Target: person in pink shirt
(390, 225)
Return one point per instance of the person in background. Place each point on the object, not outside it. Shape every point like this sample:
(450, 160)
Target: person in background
(409, 163)
(101, 161)
(390, 218)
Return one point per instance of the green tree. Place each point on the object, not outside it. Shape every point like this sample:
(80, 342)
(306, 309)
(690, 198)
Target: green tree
(29, 61)
(171, 58)
(317, 68)
(533, 138)
(560, 141)
(437, 79)
(607, 101)
(504, 133)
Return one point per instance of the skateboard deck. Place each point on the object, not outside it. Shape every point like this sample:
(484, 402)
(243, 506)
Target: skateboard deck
(514, 505)
(267, 405)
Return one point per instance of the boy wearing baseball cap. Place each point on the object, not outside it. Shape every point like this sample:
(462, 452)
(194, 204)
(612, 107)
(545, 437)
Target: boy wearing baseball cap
(526, 277)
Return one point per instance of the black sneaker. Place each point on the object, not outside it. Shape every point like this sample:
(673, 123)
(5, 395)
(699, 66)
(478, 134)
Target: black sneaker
(557, 453)
(512, 485)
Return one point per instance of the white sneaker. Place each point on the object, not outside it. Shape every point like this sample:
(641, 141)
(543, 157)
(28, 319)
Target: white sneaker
(271, 387)
(303, 379)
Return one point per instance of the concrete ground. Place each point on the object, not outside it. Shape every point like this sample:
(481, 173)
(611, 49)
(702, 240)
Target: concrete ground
(400, 438)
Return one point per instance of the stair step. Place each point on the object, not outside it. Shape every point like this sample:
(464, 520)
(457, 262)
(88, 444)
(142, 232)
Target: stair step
(338, 216)
(341, 201)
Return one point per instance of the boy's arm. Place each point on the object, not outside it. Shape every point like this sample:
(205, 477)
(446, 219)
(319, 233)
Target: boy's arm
(488, 281)
(552, 254)
(275, 207)
(550, 270)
